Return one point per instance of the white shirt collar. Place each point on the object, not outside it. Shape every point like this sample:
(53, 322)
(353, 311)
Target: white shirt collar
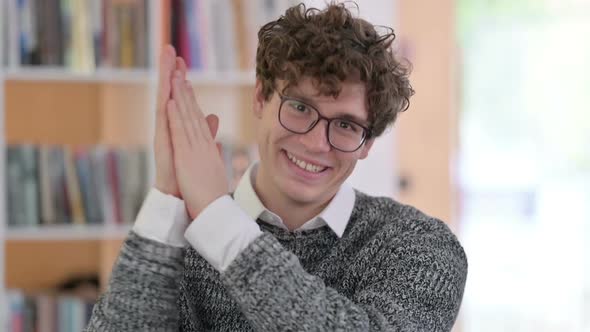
(336, 214)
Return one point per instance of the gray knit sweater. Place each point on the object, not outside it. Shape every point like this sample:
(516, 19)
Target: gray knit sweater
(395, 269)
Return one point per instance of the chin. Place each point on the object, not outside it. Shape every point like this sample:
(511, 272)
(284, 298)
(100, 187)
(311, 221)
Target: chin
(301, 195)
(305, 194)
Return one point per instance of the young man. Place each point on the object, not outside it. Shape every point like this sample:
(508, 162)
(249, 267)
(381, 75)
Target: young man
(293, 248)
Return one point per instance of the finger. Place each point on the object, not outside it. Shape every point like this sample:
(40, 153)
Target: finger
(167, 64)
(178, 92)
(219, 149)
(180, 141)
(180, 98)
(213, 123)
(196, 113)
(181, 65)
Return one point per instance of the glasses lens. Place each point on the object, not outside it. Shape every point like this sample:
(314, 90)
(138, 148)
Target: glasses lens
(346, 135)
(296, 116)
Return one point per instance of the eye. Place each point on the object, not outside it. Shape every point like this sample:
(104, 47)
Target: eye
(299, 107)
(342, 124)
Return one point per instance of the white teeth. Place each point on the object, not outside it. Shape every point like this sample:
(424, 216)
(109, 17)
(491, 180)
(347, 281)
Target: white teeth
(302, 164)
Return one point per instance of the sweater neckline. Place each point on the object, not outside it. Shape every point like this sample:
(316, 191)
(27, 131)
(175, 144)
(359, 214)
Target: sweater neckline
(284, 234)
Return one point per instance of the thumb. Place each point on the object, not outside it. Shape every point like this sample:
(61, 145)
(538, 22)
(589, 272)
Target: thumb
(213, 123)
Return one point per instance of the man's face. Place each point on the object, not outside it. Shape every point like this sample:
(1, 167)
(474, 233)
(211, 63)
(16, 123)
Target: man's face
(283, 153)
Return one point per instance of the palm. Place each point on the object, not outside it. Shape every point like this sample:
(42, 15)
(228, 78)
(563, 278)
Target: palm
(166, 179)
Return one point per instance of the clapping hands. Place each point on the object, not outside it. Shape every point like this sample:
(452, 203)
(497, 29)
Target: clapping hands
(188, 164)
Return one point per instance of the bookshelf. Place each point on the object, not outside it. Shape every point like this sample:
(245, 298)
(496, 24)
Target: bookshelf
(67, 232)
(3, 304)
(110, 106)
(56, 74)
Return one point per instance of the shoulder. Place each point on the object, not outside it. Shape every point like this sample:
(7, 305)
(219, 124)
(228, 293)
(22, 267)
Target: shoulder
(405, 232)
(414, 256)
(387, 213)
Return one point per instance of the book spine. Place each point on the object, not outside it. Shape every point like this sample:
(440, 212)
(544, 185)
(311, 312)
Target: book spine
(66, 23)
(99, 170)
(73, 188)
(140, 32)
(30, 187)
(48, 215)
(13, 187)
(114, 184)
(96, 26)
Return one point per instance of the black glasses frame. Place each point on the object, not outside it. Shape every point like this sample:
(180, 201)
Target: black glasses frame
(366, 131)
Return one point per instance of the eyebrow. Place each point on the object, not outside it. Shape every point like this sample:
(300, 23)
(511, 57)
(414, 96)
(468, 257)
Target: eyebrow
(292, 93)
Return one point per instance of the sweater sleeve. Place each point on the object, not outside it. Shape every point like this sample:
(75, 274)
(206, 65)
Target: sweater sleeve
(143, 290)
(403, 293)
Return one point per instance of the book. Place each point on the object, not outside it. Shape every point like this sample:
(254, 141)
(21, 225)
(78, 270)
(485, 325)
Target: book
(22, 185)
(30, 184)
(57, 184)
(205, 33)
(73, 188)
(27, 31)
(14, 202)
(100, 173)
(48, 311)
(124, 22)
(67, 50)
(114, 184)
(48, 185)
(60, 185)
(218, 35)
(88, 186)
(16, 307)
(48, 214)
(50, 31)
(133, 169)
(193, 34)
(80, 35)
(96, 27)
(10, 38)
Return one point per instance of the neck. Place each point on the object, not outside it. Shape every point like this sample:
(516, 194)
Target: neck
(282, 205)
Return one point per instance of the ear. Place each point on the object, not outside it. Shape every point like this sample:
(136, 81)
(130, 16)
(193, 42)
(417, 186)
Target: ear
(366, 148)
(258, 102)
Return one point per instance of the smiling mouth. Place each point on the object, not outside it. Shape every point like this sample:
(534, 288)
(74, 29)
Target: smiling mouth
(309, 167)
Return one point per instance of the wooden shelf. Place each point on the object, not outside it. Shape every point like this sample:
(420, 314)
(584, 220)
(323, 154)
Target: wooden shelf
(238, 78)
(67, 232)
(243, 78)
(66, 75)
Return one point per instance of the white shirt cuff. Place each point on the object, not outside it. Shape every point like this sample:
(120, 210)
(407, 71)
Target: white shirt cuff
(221, 232)
(162, 218)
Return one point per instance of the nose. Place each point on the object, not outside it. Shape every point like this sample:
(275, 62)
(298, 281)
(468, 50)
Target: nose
(316, 140)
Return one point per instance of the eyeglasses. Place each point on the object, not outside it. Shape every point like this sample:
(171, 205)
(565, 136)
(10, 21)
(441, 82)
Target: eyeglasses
(300, 118)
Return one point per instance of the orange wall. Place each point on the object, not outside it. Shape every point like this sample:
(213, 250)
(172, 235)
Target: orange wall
(426, 133)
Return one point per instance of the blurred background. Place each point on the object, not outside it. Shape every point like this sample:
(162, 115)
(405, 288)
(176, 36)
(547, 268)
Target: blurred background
(496, 141)
(523, 167)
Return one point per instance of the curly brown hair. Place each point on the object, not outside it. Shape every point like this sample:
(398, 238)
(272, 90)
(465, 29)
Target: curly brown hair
(331, 46)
